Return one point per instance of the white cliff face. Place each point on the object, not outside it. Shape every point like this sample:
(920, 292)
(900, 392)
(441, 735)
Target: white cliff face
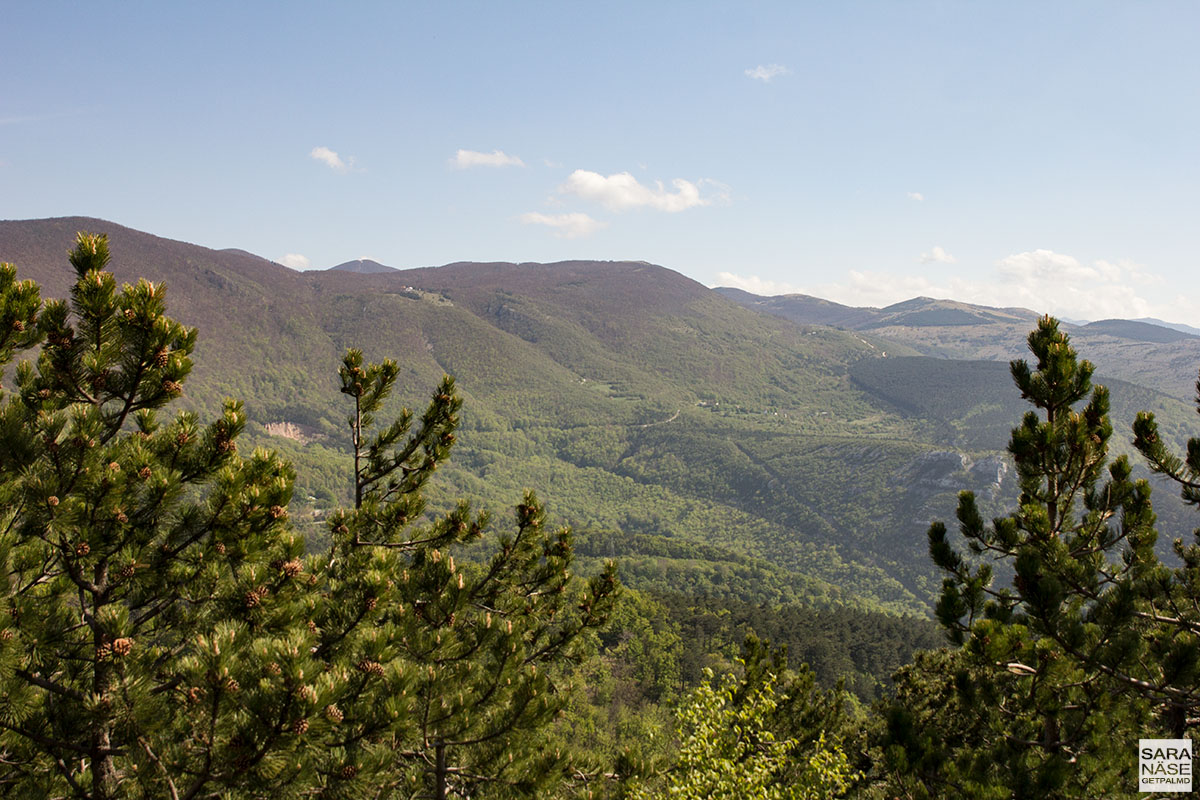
(940, 469)
(935, 478)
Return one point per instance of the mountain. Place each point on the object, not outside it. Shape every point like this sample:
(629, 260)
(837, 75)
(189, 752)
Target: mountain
(1138, 331)
(804, 309)
(1141, 352)
(917, 312)
(1172, 325)
(364, 266)
(716, 450)
(928, 312)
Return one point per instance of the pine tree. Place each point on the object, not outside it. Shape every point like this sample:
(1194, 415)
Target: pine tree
(474, 652)
(1171, 597)
(1054, 663)
(152, 643)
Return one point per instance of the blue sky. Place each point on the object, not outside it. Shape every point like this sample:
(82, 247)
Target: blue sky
(1037, 154)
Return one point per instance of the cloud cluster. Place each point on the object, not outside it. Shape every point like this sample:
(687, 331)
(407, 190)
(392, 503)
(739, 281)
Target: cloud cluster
(916, 196)
(755, 284)
(1062, 284)
(565, 226)
(765, 72)
(295, 261)
(331, 159)
(937, 255)
(465, 159)
(622, 191)
(618, 192)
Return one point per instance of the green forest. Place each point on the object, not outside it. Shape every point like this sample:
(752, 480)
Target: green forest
(191, 615)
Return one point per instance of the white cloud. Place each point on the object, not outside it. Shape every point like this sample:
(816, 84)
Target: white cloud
(916, 196)
(295, 261)
(465, 159)
(765, 72)
(1044, 265)
(1041, 280)
(881, 289)
(622, 191)
(331, 159)
(1059, 283)
(755, 284)
(565, 226)
(937, 255)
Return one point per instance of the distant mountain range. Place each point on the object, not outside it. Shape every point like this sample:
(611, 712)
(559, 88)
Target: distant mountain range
(949, 329)
(917, 312)
(771, 449)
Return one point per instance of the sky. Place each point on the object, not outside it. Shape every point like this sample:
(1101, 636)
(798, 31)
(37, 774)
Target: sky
(1035, 154)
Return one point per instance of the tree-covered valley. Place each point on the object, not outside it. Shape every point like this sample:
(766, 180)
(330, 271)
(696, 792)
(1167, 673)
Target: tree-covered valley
(750, 571)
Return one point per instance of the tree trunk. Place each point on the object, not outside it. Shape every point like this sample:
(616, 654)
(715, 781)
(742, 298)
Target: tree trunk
(439, 774)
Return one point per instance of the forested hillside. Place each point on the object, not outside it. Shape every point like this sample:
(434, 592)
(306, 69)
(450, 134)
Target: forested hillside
(715, 450)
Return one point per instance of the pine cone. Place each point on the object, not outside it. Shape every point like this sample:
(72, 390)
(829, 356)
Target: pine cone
(349, 771)
(300, 727)
(82, 549)
(160, 357)
(122, 646)
(334, 713)
(370, 667)
(292, 568)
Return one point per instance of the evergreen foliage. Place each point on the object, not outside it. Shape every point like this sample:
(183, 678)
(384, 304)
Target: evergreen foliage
(459, 666)
(1061, 659)
(147, 567)
(165, 634)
